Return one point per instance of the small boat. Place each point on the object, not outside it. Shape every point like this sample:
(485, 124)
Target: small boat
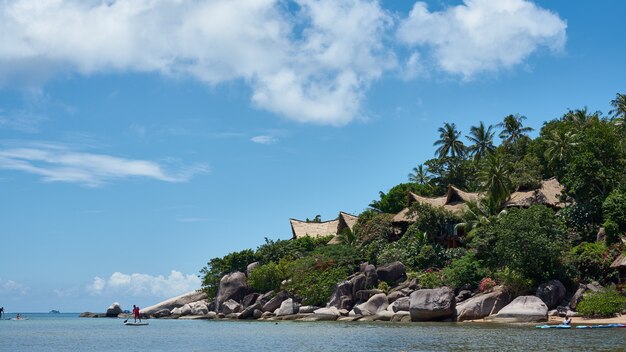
(601, 326)
(19, 318)
(560, 326)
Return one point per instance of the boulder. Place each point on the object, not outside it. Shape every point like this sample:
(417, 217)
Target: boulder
(232, 286)
(401, 304)
(328, 311)
(113, 310)
(275, 302)
(463, 295)
(393, 296)
(199, 308)
(251, 267)
(257, 314)
(230, 307)
(342, 295)
(523, 309)
(383, 315)
(551, 293)
(364, 295)
(482, 305)
(250, 299)
(288, 307)
(175, 302)
(307, 309)
(578, 295)
(249, 311)
(88, 315)
(432, 304)
(371, 278)
(403, 316)
(358, 283)
(391, 273)
(162, 313)
(319, 317)
(264, 298)
(185, 310)
(375, 304)
(175, 311)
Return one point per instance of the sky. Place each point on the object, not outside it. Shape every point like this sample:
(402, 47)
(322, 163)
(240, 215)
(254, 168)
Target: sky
(139, 139)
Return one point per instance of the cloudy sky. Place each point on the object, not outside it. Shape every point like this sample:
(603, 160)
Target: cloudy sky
(139, 139)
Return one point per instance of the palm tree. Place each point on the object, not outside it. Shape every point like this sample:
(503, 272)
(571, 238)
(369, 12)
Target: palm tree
(482, 140)
(495, 181)
(619, 108)
(513, 128)
(581, 117)
(559, 146)
(419, 175)
(449, 142)
(348, 237)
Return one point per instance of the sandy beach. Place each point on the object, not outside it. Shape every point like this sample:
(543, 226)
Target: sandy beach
(584, 321)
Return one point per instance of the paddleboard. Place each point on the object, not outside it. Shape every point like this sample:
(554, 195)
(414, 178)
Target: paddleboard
(16, 319)
(135, 324)
(553, 326)
(605, 326)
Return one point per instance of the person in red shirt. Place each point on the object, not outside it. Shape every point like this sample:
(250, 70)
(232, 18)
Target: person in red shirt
(136, 313)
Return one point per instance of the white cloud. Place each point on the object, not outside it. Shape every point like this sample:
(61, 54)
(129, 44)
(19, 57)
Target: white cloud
(12, 287)
(61, 164)
(310, 65)
(264, 139)
(482, 35)
(145, 285)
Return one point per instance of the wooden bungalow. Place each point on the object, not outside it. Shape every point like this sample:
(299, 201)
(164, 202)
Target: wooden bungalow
(620, 265)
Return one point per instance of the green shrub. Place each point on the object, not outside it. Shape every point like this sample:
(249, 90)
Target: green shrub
(611, 231)
(313, 279)
(593, 261)
(466, 270)
(404, 250)
(432, 220)
(372, 225)
(274, 251)
(514, 282)
(430, 256)
(267, 277)
(601, 304)
(614, 209)
(383, 286)
(430, 279)
(216, 268)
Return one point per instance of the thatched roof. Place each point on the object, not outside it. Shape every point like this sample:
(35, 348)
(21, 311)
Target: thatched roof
(454, 201)
(620, 262)
(301, 228)
(547, 194)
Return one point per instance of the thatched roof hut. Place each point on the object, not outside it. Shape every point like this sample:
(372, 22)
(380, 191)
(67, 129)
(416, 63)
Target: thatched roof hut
(301, 228)
(549, 193)
(620, 264)
(453, 201)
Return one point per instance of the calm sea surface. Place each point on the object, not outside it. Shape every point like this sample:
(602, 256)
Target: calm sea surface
(67, 332)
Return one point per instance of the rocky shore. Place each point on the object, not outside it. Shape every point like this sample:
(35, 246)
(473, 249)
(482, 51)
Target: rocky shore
(353, 300)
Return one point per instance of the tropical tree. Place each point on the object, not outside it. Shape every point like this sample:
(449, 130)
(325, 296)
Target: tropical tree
(495, 181)
(449, 142)
(482, 141)
(419, 175)
(582, 117)
(559, 145)
(619, 108)
(513, 128)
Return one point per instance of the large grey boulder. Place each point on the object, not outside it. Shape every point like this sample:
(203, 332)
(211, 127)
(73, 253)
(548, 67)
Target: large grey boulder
(482, 305)
(175, 302)
(432, 304)
(578, 295)
(523, 309)
(375, 304)
(371, 278)
(249, 311)
(251, 267)
(231, 306)
(551, 293)
(185, 310)
(401, 304)
(232, 286)
(364, 295)
(393, 296)
(358, 283)
(199, 308)
(162, 313)
(391, 273)
(328, 311)
(308, 309)
(288, 307)
(342, 296)
(275, 302)
(113, 310)
(250, 299)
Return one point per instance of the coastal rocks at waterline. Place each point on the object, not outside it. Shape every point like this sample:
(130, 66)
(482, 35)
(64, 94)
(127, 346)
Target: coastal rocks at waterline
(288, 307)
(114, 310)
(175, 302)
(551, 293)
(374, 305)
(482, 305)
(231, 306)
(523, 309)
(275, 302)
(432, 304)
(232, 286)
(341, 297)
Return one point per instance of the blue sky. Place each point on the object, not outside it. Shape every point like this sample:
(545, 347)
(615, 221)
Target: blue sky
(139, 139)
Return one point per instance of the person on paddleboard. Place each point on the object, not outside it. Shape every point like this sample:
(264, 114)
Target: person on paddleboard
(1, 312)
(567, 321)
(136, 313)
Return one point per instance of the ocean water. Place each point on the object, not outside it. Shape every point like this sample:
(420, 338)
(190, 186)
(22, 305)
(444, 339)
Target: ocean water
(67, 332)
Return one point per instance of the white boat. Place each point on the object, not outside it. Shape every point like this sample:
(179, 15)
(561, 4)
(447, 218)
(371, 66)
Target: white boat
(130, 323)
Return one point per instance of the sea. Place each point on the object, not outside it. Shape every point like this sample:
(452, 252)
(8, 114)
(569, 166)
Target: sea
(68, 332)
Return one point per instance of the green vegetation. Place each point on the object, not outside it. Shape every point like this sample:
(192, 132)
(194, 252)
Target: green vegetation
(515, 247)
(605, 303)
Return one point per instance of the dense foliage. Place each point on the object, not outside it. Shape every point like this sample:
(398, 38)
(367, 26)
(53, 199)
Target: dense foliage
(604, 303)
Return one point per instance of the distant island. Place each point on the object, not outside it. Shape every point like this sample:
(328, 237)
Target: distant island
(55, 312)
